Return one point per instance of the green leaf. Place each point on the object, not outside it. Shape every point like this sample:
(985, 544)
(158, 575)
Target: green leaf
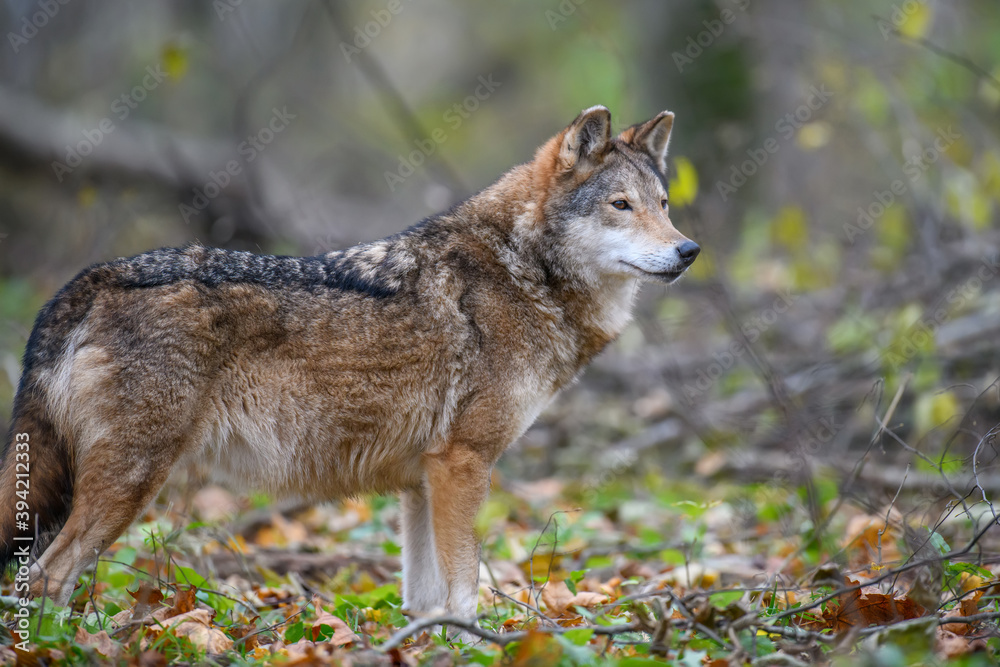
(722, 599)
(125, 556)
(939, 543)
(955, 569)
(325, 632)
(599, 561)
(295, 632)
(189, 576)
(580, 636)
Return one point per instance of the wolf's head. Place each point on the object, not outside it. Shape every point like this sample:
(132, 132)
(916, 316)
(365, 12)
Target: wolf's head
(604, 199)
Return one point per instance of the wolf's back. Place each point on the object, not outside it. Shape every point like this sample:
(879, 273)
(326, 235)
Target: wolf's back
(370, 271)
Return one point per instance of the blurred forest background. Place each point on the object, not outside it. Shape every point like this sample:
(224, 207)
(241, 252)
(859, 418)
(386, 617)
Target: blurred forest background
(838, 162)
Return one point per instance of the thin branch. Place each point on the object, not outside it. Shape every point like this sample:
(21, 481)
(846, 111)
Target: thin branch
(502, 639)
(888, 511)
(533, 609)
(960, 60)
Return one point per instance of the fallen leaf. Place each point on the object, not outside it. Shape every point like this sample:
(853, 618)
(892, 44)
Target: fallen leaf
(196, 626)
(152, 658)
(559, 599)
(861, 538)
(588, 599)
(146, 599)
(246, 630)
(183, 601)
(860, 609)
(100, 642)
(342, 633)
(949, 645)
(969, 606)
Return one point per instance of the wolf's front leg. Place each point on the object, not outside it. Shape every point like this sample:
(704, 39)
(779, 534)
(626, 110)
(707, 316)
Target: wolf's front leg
(459, 480)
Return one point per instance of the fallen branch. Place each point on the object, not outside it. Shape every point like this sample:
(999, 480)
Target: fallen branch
(501, 639)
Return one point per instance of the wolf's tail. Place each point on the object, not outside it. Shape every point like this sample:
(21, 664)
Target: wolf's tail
(36, 480)
(36, 468)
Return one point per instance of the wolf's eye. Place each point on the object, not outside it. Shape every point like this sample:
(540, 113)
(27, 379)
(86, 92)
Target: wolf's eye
(621, 205)
(663, 204)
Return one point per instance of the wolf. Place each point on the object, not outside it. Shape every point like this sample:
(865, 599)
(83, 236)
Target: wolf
(405, 365)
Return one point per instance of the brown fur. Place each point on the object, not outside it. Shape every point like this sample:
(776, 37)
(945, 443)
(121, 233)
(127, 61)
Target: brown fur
(403, 365)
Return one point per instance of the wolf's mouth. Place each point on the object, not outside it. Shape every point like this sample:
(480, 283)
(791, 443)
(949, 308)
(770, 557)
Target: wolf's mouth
(663, 276)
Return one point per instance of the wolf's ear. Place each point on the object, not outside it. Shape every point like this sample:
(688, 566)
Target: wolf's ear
(652, 137)
(587, 139)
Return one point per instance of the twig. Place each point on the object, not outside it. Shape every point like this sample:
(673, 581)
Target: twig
(90, 592)
(888, 511)
(887, 575)
(855, 473)
(533, 609)
(682, 608)
(944, 53)
(503, 639)
(407, 120)
(269, 628)
(531, 557)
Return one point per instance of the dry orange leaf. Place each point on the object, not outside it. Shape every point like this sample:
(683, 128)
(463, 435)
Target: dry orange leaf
(969, 606)
(146, 597)
(559, 599)
(863, 608)
(183, 601)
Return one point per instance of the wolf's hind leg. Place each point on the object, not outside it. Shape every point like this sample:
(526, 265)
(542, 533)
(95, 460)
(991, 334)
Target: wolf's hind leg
(114, 482)
(423, 588)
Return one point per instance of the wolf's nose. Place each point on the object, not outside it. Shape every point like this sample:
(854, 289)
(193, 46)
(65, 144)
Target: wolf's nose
(688, 251)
